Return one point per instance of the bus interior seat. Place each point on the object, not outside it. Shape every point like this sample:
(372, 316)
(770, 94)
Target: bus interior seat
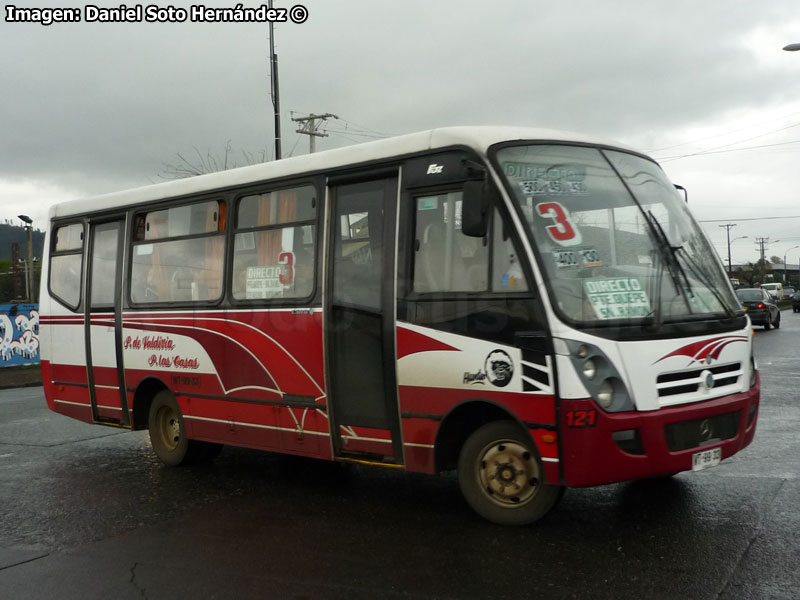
(431, 260)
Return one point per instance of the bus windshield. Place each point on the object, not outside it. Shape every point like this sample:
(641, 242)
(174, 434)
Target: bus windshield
(614, 238)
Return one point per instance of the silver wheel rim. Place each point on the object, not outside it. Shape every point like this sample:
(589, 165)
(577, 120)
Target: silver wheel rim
(508, 473)
(169, 428)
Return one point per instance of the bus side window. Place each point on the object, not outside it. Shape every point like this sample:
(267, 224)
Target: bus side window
(274, 245)
(358, 257)
(66, 264)
(178, 254)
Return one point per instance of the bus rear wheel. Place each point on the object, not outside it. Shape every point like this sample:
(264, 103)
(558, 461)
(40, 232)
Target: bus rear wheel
(501, 476)
(168, 434)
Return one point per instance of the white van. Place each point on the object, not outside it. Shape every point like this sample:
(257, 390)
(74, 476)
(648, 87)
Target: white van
(774, 289)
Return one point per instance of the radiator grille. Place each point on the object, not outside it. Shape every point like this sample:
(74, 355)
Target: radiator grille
(689, 382)
(701, 432)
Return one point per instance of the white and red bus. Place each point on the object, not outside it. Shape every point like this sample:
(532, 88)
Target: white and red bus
(534, 309)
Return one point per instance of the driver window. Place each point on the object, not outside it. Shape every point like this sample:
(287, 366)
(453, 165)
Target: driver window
(507, 273)
(445, 259)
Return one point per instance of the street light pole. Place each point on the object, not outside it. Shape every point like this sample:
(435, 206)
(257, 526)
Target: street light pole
(276, 102)
(784, 262)
(791, 48)
(29, 263)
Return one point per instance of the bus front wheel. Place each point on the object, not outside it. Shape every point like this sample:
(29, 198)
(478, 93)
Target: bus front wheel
(501, 476)
(168, 434)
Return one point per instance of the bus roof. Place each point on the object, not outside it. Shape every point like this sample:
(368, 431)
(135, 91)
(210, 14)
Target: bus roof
(478, 138)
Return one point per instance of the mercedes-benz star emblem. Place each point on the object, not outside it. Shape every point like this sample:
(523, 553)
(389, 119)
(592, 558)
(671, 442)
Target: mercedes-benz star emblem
(706, 380)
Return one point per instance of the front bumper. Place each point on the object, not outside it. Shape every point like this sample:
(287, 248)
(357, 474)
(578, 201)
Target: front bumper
(591, 455)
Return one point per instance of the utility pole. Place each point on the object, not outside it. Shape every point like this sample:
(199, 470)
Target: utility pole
(310, 127)
(729, 226)
(761, 242)
(276, 102)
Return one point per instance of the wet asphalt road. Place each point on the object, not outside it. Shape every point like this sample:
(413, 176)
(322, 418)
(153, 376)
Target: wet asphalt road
(88, 512)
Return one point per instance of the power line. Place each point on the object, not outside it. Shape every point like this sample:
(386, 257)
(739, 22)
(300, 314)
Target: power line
(352, 127)
(748, 219)
(755, 137)
(705, 152)
(709, 137)
(355, 133)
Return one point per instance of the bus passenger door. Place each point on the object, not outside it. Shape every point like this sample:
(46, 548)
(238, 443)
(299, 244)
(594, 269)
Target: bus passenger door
(360, 321)
(104, 323)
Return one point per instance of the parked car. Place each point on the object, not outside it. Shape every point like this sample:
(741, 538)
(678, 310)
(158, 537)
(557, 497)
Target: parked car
(796, 302)
(761, 307)
(788, 292)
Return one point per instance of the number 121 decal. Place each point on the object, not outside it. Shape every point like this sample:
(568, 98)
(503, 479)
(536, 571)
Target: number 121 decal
(582, 418)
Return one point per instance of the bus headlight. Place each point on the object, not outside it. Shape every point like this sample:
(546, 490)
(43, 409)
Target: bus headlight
(599, 376)
(589, 369)
(605, 394)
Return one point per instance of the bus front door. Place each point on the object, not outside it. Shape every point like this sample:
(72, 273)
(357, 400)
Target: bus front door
(104, 324)
(360, 322)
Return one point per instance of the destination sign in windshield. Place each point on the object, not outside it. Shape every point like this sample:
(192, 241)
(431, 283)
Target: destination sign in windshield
(547, 180)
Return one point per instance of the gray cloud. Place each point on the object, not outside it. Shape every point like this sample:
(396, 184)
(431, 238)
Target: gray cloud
(98, 107)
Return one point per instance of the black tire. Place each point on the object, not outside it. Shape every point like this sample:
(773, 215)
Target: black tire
(501, 476)
(777, 323)
(168, 434)
(767, 325)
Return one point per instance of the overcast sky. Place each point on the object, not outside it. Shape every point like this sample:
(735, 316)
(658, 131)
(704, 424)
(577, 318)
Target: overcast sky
(703, 86)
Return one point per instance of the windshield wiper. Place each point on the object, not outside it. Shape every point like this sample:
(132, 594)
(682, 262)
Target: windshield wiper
(654, 318)
(676, 264)
(669, 252)
(706, 280)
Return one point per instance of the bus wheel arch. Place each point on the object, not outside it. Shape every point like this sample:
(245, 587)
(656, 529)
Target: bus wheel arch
(143, 398)
(461, 422)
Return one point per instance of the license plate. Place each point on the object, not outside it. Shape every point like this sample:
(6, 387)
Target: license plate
(706, 458)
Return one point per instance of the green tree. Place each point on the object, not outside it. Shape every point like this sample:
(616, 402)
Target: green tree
(759, 271)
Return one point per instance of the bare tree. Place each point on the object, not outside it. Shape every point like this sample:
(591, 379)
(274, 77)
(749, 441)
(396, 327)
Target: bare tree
(202, 164)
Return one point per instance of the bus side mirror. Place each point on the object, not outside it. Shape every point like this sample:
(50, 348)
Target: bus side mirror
(474, 213)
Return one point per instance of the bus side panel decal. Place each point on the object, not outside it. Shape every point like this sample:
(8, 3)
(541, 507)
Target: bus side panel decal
(241, 355)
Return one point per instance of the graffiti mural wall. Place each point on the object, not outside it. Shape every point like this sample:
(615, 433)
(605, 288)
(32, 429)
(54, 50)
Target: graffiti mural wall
(19, 334)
